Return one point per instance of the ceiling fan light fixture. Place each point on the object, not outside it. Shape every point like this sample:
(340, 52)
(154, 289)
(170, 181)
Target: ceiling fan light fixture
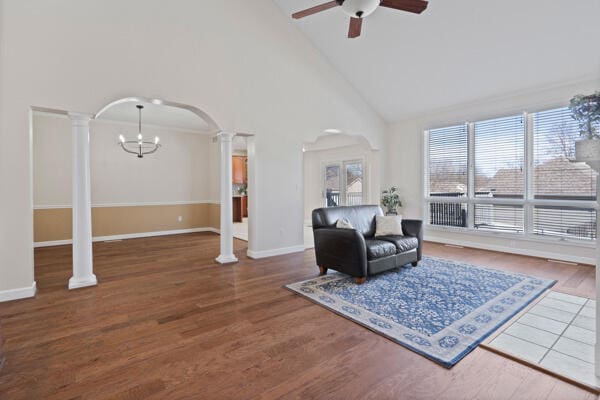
(359, 8)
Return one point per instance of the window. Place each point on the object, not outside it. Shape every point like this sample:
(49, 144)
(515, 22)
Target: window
(448, 174)
(557, 176)
(499, 157)
(344, 184)
(514, 174)
(448, 161)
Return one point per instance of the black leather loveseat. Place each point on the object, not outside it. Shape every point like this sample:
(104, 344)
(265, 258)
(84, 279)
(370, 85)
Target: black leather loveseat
(357, 252)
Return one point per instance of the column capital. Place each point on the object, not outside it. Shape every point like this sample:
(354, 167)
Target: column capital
(225, 136)
(80, 118)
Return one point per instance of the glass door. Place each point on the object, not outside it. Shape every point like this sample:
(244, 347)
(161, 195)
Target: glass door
(344, 183)
(353, 185)
(333, 185)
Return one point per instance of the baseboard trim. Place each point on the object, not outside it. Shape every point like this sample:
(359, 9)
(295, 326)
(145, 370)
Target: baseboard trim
(128, 236)
(20, 293)
(274, 252)
(52, 243)
(512, 250)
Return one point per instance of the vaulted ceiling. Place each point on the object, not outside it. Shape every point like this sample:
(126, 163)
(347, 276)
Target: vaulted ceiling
(457, 51)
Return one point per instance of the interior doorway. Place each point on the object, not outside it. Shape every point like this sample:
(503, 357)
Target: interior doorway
(339, 170)
(239, 167)
(191, 209)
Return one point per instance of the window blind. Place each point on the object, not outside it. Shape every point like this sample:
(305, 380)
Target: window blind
(556, 174)
(499, 157)
(448, 161)
(574, 222)
(499, 217)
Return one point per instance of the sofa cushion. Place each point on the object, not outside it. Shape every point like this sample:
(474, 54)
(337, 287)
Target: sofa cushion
(343, 224)
(388, 225)
(402, 243)
(379, 248)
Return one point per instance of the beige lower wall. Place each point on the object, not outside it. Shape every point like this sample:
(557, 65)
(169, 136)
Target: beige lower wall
(50, 224)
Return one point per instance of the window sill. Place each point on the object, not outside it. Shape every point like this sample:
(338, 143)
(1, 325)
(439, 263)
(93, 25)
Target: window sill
(512, 236)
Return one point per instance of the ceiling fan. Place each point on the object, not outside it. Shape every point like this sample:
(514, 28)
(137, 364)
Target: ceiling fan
(358, 9)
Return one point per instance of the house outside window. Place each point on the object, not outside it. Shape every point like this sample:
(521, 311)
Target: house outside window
(515, 174)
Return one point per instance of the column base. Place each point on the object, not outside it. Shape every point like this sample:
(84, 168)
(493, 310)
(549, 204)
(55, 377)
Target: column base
(223, 259)
(76, 284)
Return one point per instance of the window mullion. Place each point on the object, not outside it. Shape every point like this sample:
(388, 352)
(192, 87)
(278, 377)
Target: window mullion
(471, 175)
(529, 175)
(426, 169)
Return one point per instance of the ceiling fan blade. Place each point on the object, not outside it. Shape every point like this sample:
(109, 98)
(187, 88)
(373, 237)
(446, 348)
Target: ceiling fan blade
(413, 6)
(355, 27)
(315, 9)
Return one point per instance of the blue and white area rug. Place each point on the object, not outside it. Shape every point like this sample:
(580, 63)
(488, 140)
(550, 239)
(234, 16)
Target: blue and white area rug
(440, 309)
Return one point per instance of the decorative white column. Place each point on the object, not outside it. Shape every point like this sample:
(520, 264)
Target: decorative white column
(83, 273)
(226, 255)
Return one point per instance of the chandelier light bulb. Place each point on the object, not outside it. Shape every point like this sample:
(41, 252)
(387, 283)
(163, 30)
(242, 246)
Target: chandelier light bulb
(139, 147)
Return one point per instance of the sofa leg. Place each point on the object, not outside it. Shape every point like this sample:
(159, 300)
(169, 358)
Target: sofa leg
(361, 280)
(414, 263)
(322, 270)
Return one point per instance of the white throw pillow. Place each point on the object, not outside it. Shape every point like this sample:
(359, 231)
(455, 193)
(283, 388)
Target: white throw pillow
(388, 225)
(343, 224)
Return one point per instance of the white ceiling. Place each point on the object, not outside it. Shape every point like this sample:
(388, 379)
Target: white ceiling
(158, 115)
(457, 51)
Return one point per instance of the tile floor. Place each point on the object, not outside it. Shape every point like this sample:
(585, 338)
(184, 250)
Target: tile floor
(557, 333)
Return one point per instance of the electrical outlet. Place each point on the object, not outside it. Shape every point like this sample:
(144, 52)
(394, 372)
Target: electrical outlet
(180, 218)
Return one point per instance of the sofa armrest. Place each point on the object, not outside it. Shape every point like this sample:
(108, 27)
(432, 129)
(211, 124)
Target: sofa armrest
(414, 228)
(341, 249)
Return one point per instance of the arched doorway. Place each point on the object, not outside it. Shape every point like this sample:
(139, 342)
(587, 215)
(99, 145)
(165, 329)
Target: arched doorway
(83, 274)
(338, 169)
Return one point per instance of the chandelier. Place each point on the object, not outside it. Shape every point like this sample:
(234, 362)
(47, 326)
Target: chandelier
(139, 147)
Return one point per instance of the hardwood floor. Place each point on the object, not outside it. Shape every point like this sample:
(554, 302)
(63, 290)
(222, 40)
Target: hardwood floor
(167, 322)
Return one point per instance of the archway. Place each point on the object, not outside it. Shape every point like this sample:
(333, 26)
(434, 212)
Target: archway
(338, 169)
(81, 205)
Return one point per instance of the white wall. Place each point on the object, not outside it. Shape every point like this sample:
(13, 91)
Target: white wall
(179, 172)
(241, 61)
(404, 166)
(336, 149)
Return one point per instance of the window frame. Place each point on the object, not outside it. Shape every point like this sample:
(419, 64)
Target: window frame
(341, 163)
(528, 202)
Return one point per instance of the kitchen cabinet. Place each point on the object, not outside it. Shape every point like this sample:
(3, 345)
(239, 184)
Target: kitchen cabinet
(240, 208)
(245, 206)
(239, 169)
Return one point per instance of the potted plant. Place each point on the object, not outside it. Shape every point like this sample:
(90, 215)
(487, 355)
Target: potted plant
(586, 111)
(391, 200)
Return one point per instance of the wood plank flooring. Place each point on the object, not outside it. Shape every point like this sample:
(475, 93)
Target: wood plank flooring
(167, 322)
